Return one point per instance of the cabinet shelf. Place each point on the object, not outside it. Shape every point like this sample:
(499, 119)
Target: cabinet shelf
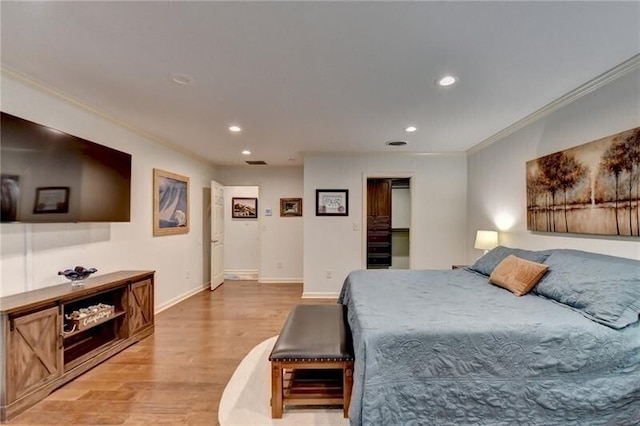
(400, 230)
(68, 334)
(87, 345)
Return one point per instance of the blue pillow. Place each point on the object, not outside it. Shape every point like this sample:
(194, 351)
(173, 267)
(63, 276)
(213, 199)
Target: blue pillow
(487, 263)
(605, 289)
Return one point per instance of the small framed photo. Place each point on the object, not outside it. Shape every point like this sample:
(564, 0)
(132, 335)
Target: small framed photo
(244, 208)
(52, 199)
(290, 207)
(332, 202)
(170, 203)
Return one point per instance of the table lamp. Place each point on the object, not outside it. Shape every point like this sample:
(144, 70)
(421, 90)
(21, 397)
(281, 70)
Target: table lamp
(486, 240)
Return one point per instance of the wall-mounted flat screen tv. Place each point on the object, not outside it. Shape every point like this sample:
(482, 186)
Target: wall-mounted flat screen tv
(50, 176)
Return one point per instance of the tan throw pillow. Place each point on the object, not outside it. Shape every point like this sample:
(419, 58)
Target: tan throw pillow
(517, 275)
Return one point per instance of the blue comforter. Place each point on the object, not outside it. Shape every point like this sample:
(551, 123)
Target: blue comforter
(448, 348)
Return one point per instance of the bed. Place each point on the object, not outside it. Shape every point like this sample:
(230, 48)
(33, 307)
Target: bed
(447, 347)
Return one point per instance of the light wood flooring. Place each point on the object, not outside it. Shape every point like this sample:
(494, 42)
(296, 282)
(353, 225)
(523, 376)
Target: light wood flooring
(177, 375)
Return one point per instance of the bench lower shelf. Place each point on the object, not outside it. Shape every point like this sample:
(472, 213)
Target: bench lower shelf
(313, 387)
(319, 383)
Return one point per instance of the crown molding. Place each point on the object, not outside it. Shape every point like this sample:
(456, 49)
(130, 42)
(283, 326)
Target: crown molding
(45, 88)
(614, 73)
(316, 154)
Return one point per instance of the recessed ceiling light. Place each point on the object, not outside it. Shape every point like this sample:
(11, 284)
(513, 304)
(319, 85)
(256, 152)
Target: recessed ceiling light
(182, 79)
(246, 152)
(411, 129)
(447, 80)
(396, 143)
(235, 129)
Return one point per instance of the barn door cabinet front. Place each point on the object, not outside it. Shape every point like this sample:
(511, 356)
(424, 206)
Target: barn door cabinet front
(35, 357)
(140, 306)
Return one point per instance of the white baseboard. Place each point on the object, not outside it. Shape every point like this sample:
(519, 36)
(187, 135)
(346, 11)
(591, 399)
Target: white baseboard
(280, 280)
(320, 295)
(241, 275)
(169, 303)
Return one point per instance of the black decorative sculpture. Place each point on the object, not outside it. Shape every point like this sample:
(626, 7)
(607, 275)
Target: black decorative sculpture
(77, 275)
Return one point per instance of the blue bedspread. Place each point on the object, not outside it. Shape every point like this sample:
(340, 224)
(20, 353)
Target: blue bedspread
(447, 348)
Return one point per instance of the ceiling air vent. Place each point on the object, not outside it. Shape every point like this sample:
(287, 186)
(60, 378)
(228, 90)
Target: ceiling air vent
(256, 163)
(396, 143)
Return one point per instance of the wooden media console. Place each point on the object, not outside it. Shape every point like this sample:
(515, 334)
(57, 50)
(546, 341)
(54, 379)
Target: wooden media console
(41, 349)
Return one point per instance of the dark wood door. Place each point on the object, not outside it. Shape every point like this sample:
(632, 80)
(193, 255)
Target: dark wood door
(378, 223)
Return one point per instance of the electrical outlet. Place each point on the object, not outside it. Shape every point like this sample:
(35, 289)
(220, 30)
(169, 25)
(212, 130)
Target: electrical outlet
(329, 273)
(188, 274)
(279, 265)
(356, 226)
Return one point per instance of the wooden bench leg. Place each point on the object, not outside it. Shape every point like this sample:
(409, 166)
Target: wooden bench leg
(276, 390)
(347, 384)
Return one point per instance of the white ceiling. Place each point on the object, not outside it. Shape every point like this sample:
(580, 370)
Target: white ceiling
(317, 76)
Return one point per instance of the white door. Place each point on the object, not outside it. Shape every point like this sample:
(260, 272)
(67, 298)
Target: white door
(217, 235)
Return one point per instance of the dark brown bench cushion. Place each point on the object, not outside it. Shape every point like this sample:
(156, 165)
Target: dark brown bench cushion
(314, 333)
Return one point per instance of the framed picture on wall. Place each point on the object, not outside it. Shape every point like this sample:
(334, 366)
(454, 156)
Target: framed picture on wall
(290, 207)
(244, 208)
(591, 188)
(332, 202)
(170, 203)
(52, 199)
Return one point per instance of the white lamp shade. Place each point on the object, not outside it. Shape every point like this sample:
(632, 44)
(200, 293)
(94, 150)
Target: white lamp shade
(486, 240)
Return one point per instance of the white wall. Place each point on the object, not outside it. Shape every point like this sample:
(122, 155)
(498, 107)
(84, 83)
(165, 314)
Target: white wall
(31, 255)
(241, 237)
(280, 237)
(400, 243)
(496, 174)
(400, 207)
(400, 219)
(336, 244)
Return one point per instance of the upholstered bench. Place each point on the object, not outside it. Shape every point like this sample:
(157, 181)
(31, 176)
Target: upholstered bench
(312, 360)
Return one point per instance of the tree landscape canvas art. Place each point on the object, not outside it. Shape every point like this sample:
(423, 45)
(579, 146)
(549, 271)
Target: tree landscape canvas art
(589, 189)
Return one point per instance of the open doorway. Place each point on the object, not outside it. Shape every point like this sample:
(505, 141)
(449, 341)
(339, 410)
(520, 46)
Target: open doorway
(242, 233)
(388, 219)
